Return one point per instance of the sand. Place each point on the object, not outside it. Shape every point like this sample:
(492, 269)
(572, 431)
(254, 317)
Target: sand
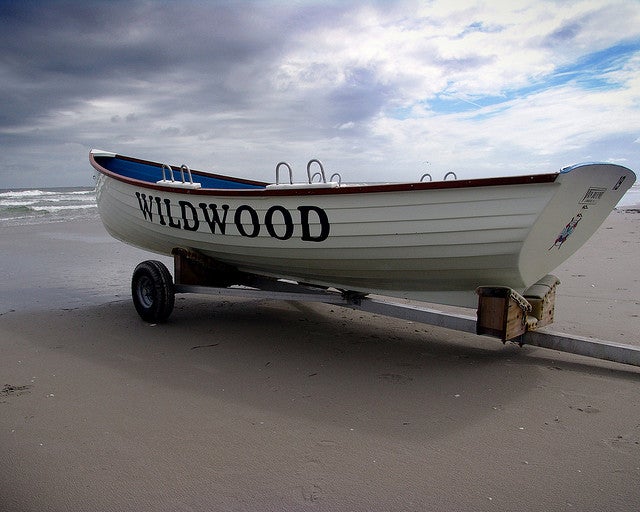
(239, 404)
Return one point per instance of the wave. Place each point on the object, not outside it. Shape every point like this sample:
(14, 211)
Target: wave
(21, 207)
(632, 197)
(43, 200)
(44, 193)
(12, 204)
(17, 208)
(63, 208)
(25, 193)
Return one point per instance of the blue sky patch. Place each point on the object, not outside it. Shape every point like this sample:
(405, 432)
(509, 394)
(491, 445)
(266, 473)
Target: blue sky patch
(589, 73)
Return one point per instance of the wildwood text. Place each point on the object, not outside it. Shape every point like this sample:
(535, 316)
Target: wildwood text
(309, 223)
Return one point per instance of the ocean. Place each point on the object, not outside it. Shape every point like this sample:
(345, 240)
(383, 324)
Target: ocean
(21, 207)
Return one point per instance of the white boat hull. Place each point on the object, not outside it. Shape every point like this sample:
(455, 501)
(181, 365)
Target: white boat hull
(434, 244)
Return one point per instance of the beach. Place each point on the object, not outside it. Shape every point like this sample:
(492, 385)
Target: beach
(256, 405)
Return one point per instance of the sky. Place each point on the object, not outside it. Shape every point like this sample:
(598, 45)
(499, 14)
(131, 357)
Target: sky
(377, 90)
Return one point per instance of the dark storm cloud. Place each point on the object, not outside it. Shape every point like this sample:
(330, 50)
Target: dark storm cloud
(171, 58)
(140, 72)
(55, 54)
(360, 97)
(466, 64)
(564, 34)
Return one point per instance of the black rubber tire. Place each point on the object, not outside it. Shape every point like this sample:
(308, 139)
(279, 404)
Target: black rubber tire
(152, 291)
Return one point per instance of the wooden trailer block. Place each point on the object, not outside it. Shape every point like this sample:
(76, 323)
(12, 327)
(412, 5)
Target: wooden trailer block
(502, 312)
(542, 297)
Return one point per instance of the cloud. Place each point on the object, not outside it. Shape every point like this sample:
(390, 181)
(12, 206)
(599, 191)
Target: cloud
(375, 88)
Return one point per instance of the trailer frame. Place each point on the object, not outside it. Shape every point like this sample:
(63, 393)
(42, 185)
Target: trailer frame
(153, 293)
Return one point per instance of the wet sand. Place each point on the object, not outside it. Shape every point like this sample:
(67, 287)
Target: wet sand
(260, 405)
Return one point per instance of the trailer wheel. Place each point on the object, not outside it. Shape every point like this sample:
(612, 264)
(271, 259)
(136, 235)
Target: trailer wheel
(152, 291)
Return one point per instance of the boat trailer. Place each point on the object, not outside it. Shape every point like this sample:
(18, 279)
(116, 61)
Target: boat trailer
(502, 312)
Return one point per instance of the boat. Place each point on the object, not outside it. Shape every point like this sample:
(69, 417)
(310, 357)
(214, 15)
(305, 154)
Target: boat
(433, 241)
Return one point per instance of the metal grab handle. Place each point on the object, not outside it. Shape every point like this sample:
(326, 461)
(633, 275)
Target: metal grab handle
(185, 167)
(278, 173)
(452, 174)
(339, 177)
(321, 173)
(425, 175)
(164, 177)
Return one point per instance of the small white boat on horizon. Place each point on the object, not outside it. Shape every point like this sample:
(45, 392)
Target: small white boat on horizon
(430, 241)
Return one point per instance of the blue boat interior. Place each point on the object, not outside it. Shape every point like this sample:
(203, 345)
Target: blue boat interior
(153, 173)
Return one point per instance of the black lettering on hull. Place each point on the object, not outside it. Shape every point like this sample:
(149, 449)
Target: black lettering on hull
(190, 223)
(253, 217)
(172, 223)
(323, 221)
(286, 219)
(308, 223)
(215, 220)
(145, 207)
